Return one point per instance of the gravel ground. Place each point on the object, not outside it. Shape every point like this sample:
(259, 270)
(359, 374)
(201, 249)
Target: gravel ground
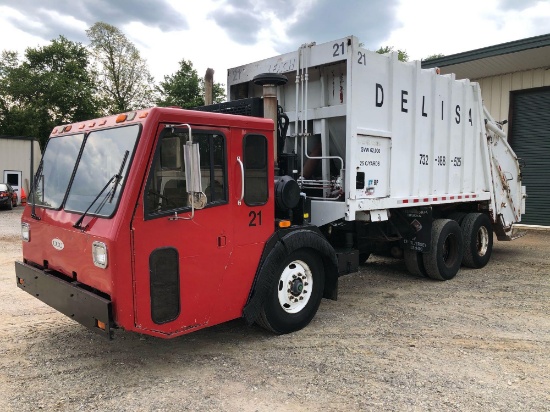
(392, 342)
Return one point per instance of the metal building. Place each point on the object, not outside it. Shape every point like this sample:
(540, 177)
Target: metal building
(19, 160)
(515, 86)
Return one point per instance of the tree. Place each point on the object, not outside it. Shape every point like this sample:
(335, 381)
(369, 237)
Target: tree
(433, 56)
(402, 55)
(126, 83)
(52, 85)
(185, 88)
(218, 90)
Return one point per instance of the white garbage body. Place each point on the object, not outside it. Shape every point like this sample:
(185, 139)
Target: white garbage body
(407, 137)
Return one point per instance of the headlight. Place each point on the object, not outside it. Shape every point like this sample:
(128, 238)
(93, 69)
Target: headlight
(26, 232)
(99, 254)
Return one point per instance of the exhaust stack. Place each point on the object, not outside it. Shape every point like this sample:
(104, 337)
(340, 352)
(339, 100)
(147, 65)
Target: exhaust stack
(270, 81)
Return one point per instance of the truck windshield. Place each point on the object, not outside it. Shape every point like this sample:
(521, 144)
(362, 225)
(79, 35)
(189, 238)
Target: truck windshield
(56, 170)
(102, 157)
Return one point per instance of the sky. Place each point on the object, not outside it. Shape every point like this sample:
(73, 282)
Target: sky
(227, 33)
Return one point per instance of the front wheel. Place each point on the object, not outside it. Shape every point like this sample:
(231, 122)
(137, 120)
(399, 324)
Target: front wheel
(295, 297)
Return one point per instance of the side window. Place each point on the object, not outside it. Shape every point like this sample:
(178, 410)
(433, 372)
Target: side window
(255, 169)
(166, 189)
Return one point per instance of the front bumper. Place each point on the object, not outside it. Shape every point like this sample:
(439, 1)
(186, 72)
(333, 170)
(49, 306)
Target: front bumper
(87, 308)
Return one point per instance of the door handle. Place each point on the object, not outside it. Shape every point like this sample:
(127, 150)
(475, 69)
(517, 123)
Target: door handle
(239, 202)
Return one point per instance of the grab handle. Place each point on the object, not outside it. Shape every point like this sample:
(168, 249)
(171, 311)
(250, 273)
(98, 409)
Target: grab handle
(239, 202)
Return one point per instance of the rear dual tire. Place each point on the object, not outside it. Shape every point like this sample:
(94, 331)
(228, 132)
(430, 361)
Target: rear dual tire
(443, 260)
(414, 262)
(477, 232)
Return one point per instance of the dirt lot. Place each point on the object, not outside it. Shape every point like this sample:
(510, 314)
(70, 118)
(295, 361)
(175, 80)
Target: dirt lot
(480, 342)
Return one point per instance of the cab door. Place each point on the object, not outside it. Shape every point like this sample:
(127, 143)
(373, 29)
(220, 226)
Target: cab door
(181, 256)
(252, 214)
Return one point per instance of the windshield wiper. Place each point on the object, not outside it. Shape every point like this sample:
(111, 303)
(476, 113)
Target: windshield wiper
(117, 177)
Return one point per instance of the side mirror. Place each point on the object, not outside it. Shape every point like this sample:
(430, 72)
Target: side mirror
(193, 175)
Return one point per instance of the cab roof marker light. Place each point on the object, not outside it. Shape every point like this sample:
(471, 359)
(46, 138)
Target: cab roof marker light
(54, 131)
(101, 123)
(131, 116)
(68, 128)
(82, 126)
(91, 124)
(121, 118)
(143, 115)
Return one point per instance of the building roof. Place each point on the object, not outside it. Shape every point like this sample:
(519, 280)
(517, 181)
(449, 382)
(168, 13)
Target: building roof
(18, 137)
(518, 55)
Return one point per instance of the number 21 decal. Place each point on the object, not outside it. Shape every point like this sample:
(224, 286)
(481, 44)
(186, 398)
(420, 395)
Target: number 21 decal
(255, 218)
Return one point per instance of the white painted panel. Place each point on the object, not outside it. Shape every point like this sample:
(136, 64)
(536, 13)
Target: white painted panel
(428, 127)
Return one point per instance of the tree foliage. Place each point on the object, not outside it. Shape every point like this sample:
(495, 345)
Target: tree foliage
(402, 55)
(433, 56)
(185, 88)
(65, 82)
(51, 85)
(125, 81)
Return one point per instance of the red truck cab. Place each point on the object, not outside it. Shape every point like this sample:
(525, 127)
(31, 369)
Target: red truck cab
(111, 239)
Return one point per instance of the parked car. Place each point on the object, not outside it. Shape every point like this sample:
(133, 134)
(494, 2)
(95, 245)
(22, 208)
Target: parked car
(8, 197)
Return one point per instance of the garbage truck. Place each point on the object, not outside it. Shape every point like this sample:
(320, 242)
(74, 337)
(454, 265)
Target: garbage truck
(164, 221)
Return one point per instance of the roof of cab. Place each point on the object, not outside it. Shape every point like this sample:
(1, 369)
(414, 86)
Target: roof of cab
(166, 115)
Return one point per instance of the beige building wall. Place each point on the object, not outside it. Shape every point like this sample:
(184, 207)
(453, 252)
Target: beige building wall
(495, 90)
(15, 154)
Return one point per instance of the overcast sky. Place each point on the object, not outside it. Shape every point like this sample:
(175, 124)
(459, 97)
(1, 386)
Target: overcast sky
(228, 33)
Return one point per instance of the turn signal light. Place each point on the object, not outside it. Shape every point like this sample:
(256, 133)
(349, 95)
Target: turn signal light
(284, 223)
(99, 324)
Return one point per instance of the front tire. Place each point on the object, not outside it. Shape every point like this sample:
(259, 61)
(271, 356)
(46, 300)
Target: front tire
(477, 231)
(296, 294)
(444, 258)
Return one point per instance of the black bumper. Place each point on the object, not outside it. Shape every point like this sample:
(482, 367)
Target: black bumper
(68, 298)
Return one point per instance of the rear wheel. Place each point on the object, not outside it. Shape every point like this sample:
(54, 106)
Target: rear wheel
(477, 232)
(443, 260)
(295, 297)
(414, 262)
(457, 217)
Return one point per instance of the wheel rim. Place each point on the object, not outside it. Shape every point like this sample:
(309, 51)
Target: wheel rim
(295, 286)
(482, 241)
